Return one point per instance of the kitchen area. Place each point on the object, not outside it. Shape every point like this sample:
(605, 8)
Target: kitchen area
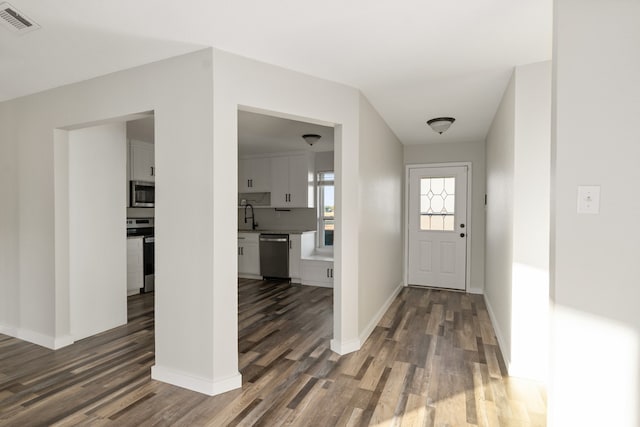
(140, 206)
(285, 200)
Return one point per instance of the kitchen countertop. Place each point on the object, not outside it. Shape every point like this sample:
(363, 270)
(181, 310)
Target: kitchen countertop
(276, 231)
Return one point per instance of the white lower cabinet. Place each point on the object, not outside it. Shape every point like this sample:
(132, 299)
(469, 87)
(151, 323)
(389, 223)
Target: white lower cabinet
(316, 272)
(135, 265)
(248, 255)
(294, 257)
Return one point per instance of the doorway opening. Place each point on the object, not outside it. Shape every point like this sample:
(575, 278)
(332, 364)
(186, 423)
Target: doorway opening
(286, 187)
(92, 183)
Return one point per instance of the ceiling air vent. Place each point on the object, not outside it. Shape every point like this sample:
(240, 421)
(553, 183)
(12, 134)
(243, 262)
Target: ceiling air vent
(14, 20)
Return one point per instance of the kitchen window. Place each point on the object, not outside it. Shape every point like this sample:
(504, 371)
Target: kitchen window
(326, 208)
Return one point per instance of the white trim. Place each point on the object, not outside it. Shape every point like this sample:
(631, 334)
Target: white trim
(345, 347)
(190, 382)
(8, 330)
(469, 232)
(378, 316)
(499, 334)
(306, 282)
(62, 341)
(477, 291)
(48, 341)
(249, 276)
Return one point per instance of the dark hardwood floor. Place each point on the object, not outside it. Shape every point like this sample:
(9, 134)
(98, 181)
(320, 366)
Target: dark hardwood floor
(431, 361)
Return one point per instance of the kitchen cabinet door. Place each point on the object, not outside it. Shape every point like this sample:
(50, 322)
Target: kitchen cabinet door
(316, 273)
(248, 255)
(294, 257)
(254, 175)
(280, 182)
(292, 181)
(301, 182)
(142, 161)
(135, 271)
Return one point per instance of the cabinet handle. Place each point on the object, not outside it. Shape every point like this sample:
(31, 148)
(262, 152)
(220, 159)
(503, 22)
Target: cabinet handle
(327, 272)
(151, 170)
(332, 273)
(290, 245)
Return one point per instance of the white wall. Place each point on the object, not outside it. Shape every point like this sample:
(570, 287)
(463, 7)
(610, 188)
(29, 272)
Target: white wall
(518, 175)
(324, 161)
(9, 240)
(240, 82)
(380, 231)
(473, 152)
(184, 237)
(595, 353)
(97, 231)
(499, 215)
(531, 187)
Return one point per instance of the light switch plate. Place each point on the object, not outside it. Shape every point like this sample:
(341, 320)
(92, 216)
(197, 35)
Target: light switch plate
(589, 199)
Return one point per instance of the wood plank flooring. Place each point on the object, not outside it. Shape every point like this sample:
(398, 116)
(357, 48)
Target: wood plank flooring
(431, 361)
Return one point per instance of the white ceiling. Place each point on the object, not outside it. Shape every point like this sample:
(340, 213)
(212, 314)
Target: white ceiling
(261, 134)
(413, 59)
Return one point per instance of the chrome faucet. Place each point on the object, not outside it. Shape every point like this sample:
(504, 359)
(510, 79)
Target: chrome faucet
(253, 216)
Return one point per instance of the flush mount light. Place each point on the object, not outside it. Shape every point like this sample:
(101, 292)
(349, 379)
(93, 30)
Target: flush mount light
(440, 124)
(311, 138)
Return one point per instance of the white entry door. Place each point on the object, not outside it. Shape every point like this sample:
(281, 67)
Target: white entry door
(438, 227)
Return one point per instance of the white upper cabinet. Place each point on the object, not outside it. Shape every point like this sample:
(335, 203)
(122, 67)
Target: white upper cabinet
(141, 158)
(292, 181)
(254, 175)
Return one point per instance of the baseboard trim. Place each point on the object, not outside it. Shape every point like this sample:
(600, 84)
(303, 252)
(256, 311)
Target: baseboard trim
(200, 385)
(476, 291)
(318, 284)
(345, 347)
(499, 334)
(378, 316)
(8, 330)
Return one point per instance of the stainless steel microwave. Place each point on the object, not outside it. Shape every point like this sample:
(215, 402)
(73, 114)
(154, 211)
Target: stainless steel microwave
(142, 194)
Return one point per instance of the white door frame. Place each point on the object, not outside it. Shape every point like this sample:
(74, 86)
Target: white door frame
(469, 231)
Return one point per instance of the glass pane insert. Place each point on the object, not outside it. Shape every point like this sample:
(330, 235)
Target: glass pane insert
(437, 203)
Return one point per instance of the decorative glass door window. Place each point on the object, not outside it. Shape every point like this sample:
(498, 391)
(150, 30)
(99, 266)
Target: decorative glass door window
(437, 203)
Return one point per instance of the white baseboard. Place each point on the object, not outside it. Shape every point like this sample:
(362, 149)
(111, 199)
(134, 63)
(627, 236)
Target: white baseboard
(345, 347)
(376, 318)
(47, 341)
(8, 330)
(318, 284)
(499, 334)
(62, 341)
(53, 343)
(190, 382)
(477, 291)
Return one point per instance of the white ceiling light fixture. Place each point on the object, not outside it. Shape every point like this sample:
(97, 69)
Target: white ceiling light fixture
(311, 138)
(441, 124)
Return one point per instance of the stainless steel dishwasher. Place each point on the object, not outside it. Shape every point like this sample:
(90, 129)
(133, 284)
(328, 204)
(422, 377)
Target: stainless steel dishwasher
(274, 256)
